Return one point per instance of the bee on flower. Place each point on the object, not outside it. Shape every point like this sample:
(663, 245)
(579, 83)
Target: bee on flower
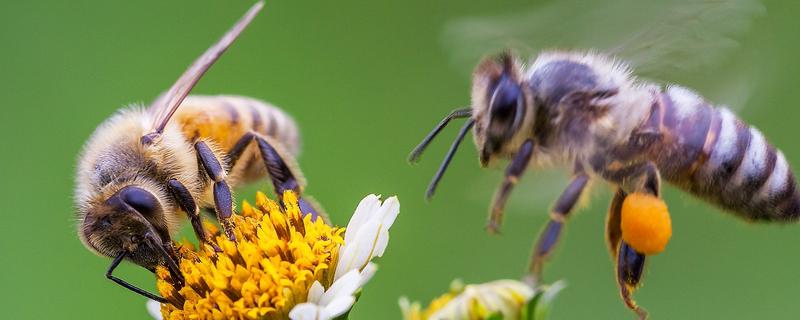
(284, 264)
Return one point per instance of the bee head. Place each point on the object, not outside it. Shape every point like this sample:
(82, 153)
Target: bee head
(124, 223)
(501, 108)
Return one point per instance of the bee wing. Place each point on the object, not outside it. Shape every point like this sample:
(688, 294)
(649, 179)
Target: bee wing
(165, 105)
(691, 36)
(660, 39)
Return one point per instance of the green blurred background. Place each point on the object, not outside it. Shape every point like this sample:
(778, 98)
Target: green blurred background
(365, 80)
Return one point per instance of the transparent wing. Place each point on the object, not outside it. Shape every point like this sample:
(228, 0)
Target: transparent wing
(659, 38)
(690, 36)
(166, 104)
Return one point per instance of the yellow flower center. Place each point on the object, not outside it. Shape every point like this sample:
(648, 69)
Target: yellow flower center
(277, 257)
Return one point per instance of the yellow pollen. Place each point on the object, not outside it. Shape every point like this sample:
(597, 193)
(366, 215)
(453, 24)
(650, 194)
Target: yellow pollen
(277, 257)
(645, 223)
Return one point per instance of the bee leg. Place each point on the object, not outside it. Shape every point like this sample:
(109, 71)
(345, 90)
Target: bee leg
(630, 268)
(223, 201)
(514, 170)
(184, 198)
(613, 221)
(280, 166)
(548, 237)
(629, 263)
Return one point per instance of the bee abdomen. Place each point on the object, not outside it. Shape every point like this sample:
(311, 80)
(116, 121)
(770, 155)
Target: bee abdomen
(740, 171)
(272, 122)
(225, 119)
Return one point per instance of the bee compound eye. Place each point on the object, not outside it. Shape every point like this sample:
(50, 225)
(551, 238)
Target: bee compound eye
(140, 200)
(506, 101)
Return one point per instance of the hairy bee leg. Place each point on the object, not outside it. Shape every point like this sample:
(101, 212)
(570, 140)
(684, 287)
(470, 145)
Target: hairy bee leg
(513, 172)
(110, 275)
(646, 179)
(279, 167)
(317, 208)
(281, 174)
(629, 263)
(223, 201)
(185, 200)
(548, 237)
(613, 221)
(630, 268)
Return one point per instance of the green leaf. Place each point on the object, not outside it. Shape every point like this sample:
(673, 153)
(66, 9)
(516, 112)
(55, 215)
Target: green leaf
(495, 316)
(539, 306)
(530, 308)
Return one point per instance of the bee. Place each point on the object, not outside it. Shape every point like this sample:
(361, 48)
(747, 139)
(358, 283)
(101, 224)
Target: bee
(142, 169)
(588, 112)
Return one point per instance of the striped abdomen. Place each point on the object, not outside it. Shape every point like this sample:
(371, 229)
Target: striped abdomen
(225, 119)
(708, 152)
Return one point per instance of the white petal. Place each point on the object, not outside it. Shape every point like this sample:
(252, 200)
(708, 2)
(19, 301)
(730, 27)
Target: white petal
(339, 306)
(315, 293)
(367, 273)
(389, 210)
(346, 255)
(364, 211)
(380, 243)
(154, 309)
(343, 287)
(356, 253)
(308, 311)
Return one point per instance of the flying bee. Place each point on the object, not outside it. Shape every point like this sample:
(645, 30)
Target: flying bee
(587, 111)
(143, 168)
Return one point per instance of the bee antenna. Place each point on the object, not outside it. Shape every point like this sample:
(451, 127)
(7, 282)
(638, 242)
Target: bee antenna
(448, 158)
(109, 274)
(455, 114)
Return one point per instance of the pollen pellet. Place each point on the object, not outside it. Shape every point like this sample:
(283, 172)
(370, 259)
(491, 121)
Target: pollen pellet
(646, 225)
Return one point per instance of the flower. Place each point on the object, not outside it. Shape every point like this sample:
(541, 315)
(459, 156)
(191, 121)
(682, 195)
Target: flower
(499, 299)
(282, 265)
